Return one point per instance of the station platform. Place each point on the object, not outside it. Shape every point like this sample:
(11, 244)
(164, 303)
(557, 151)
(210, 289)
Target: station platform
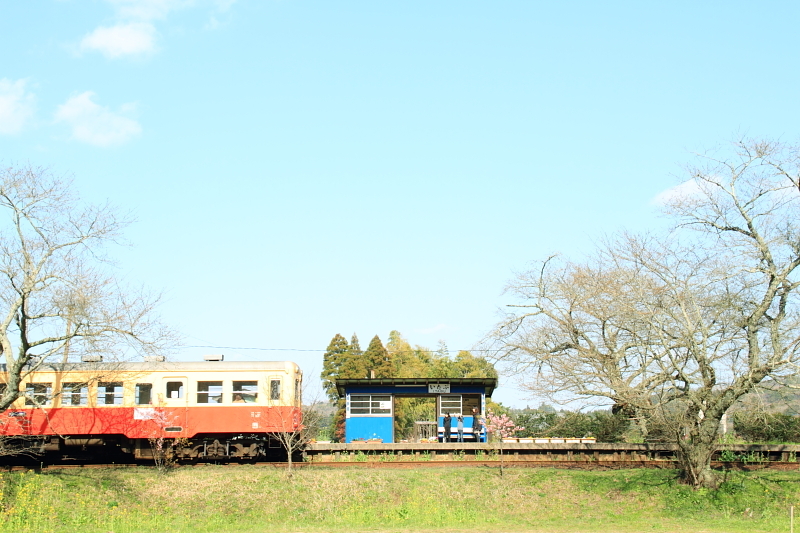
(546, 452)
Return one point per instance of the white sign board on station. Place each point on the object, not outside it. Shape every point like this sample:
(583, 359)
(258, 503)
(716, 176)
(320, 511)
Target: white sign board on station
(438, 388)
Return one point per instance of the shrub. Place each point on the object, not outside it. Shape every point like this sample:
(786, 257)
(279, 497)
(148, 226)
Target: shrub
(767, 427)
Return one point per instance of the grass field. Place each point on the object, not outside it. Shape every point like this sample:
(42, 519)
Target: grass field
(262, 499)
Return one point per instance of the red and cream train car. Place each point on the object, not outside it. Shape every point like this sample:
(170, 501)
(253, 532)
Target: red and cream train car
(214, 409)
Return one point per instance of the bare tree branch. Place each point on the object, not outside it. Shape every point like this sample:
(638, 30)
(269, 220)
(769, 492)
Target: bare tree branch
(59, 297)
(674, 327)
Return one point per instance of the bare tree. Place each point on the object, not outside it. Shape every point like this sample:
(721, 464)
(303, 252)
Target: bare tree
(674, 329)
(307, 419)
(59, 299)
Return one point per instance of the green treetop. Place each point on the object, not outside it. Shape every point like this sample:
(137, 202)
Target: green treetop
(333, 360)
(379, 363)
(355, 348)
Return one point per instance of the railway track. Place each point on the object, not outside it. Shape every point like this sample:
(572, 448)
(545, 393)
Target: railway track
(564, 464)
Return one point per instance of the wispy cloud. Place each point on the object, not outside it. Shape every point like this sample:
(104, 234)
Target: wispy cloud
(221, 8)
(224, 5)
(135, 38)
(147, 10)
(97, 125)
(17, 106)
(686, 190)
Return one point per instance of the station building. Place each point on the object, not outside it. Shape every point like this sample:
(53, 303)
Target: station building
(370, 405)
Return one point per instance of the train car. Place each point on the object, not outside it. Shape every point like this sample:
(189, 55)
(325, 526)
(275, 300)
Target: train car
(212, 409)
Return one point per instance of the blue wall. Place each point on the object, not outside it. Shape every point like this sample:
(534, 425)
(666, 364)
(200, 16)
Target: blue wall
(369, 427)
(381, 427)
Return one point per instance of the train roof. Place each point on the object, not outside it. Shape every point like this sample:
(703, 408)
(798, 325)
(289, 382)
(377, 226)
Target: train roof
(166, 366)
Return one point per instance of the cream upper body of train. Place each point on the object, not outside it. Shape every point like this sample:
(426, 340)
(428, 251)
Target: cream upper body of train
(209, 409)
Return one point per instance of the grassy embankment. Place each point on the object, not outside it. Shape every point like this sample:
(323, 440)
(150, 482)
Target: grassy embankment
(259, 499)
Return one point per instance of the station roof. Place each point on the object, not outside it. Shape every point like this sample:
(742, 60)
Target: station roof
(489, 384)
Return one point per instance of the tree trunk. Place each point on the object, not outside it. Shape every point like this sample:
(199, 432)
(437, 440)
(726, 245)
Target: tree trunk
(695, 452)
(695, 463)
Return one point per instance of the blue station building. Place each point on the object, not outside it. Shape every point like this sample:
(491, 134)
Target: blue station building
(370, 404)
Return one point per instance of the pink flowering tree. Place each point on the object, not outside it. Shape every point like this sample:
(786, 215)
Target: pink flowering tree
(500, 427)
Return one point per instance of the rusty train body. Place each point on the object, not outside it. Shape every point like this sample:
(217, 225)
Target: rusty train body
(205, 410)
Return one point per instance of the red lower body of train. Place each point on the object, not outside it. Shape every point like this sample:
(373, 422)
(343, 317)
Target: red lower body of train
(208, 432)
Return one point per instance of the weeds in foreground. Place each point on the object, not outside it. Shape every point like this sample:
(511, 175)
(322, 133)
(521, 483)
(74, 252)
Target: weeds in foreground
(255, 499)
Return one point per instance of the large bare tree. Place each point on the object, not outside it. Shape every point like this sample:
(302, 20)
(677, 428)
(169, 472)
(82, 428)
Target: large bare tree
(59, 297)
(674, 328)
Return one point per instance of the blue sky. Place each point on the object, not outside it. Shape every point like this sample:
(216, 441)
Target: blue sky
(301, 169)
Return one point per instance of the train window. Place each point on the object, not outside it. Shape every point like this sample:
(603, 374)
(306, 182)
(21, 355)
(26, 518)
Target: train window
(274, 389)
(143, 393)
(74, 394)
(109, 393)
(174, 390)
(370, 404)
(38, 393)
(245, 391)
(451, 404)
(209, 392)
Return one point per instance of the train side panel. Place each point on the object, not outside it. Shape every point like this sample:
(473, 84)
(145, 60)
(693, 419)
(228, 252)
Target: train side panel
(144, 423)
(139, 401)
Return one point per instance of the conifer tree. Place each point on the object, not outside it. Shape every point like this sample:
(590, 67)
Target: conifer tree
(354, 365)
(378, 360)
(335, 356)
(342, 360)
(355, 348)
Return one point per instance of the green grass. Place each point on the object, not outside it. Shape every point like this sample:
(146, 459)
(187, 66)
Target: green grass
(261, 499)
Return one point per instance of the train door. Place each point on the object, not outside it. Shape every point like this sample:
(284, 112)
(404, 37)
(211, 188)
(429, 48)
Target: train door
(174, 398)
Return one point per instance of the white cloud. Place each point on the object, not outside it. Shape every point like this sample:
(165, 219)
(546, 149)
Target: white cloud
(135, 33)
(16, 106)
(95, 124)
(136, 38)
(686, 190)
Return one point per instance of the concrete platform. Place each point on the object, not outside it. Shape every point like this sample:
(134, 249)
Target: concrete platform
(589, 452)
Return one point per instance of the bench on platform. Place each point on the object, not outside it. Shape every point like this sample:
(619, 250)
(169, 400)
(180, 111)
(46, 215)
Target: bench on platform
(468, 435)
